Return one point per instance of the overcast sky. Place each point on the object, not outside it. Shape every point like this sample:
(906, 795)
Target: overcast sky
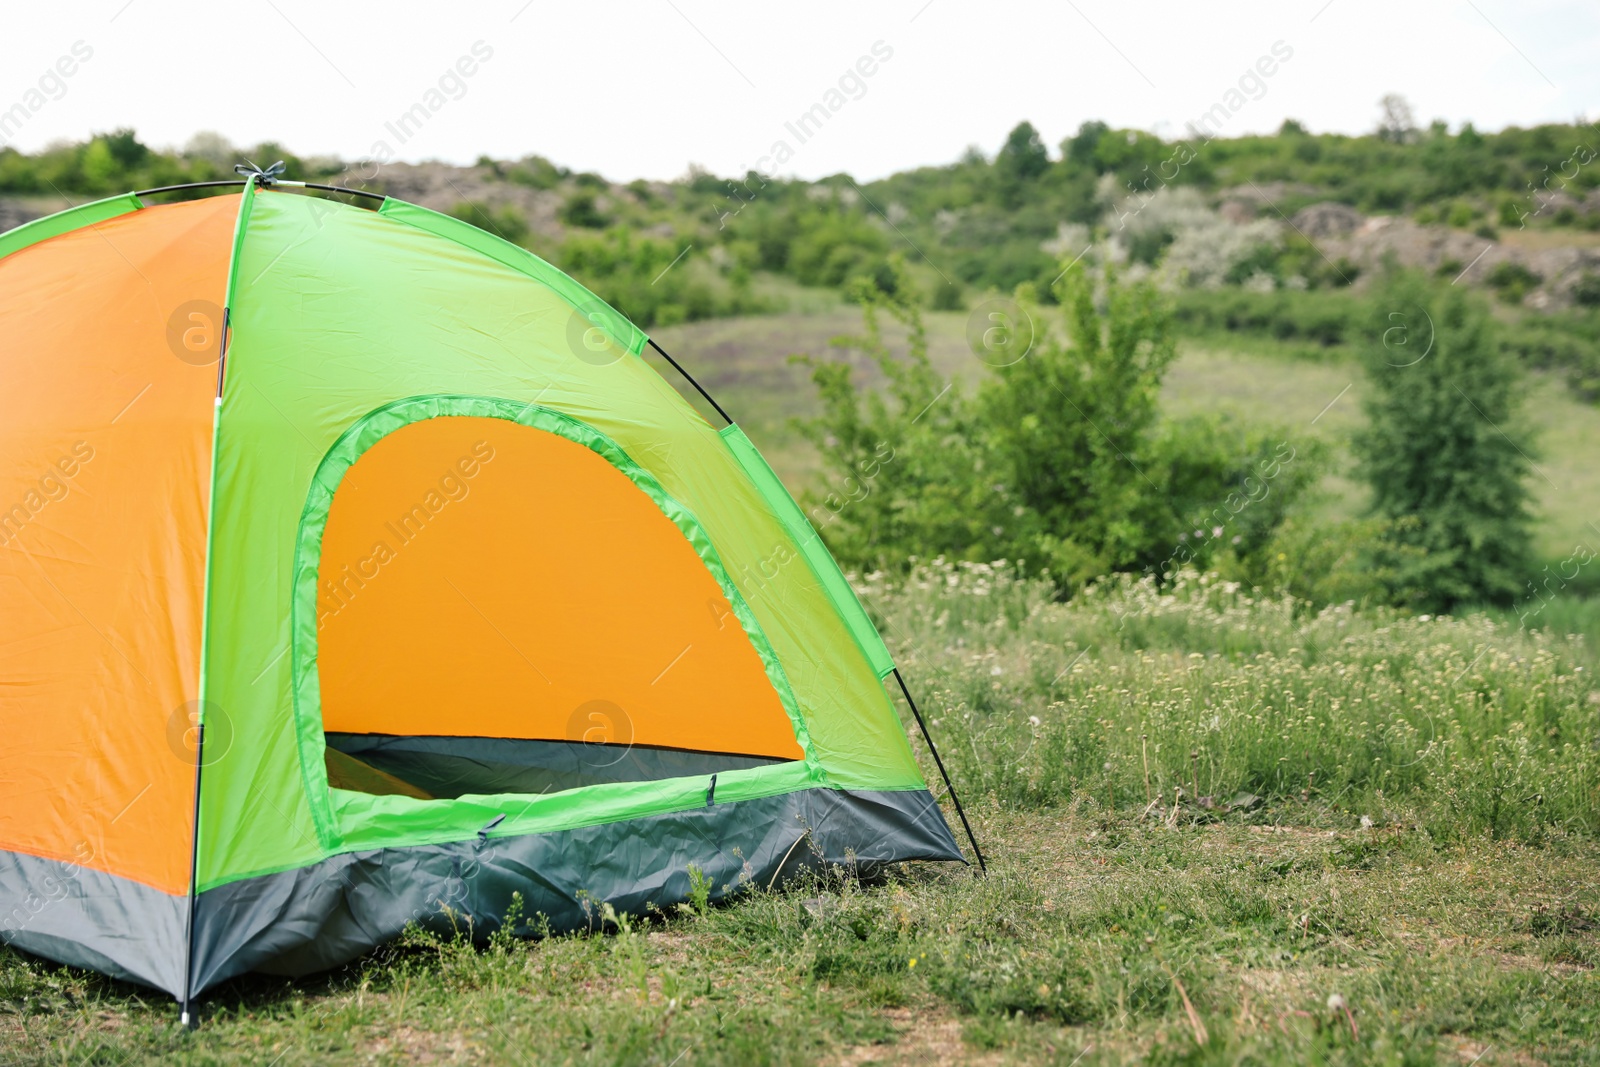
(643, 89)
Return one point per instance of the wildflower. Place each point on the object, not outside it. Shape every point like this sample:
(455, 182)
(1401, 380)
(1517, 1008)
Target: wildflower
(1216, 531)
(1034, 719)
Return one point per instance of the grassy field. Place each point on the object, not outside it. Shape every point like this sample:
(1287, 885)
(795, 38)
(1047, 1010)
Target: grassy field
(1219, 829)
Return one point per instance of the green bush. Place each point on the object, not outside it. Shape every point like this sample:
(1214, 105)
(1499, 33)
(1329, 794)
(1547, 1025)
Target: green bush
(1513, 281)
(905, 467)
(536, 172)
(647, 281)
(1586, 293)
(1461, 215)
(1443, 451)
(1060, 461)
(1357, 562)
(503, 221)
(1567, 341)
(580, 209)
(948, 296)
(1325, 319)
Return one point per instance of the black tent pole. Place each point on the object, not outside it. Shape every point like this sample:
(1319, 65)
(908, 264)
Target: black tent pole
(277, 184)
(926, 736)
(948, 784)
(690, 379)
(185, 1017)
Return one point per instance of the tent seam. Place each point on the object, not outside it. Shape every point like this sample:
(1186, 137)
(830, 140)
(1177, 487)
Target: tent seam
(466, 837)
(241, 222)
(94, 212)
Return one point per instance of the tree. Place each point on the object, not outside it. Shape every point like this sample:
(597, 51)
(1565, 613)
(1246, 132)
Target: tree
(125, 148)
(1081, 147)
(1398, 124)
(1023, 157)
(1020, 162)
(1443, 452)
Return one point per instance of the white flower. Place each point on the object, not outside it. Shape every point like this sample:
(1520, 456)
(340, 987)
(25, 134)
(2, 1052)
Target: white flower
(1366, 822)
(1216, 531)
(1335, 1002)
(996, 670)
(1034, 719)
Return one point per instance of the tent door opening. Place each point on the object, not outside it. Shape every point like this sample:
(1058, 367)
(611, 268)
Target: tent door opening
(505, 608)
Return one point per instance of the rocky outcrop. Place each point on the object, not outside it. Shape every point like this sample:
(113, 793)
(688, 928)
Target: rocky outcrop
(14, 213)
(1328, 219)
(1342, 233)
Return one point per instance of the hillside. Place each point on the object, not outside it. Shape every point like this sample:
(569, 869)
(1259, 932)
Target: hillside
(742, 361)
(1267, 244)
(1287, 211)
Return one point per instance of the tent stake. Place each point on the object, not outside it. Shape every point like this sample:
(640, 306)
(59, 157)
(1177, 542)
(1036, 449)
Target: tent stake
(948, 784)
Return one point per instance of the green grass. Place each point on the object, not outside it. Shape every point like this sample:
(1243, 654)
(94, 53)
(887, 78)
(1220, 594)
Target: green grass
(1202, 695)
(1460, 915)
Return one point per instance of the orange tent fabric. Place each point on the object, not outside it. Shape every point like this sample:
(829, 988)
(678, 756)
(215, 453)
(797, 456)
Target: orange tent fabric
(103, 531)
(427, 626)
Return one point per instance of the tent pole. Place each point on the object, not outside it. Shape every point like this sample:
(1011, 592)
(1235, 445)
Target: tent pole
(948, 784)
(188, 185)
(926, 736)
(240, 182)
(690, 378)
(186, 1013)
(185, 1017)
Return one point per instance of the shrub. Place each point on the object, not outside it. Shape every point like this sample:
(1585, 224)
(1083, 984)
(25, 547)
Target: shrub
(1513, 281)
(947, 296)
(638, 277)
(1320, 318)
(1586, 293)
(581, 210)
(1442, 447)
(905, 466)
(1061, 460)
(1566, 341)
(1461, 215)
(503, 221)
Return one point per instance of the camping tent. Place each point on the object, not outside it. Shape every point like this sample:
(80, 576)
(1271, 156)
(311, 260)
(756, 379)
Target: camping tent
(357, 569)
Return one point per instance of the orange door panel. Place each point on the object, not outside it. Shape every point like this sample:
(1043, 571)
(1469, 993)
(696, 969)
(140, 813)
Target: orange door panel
(480, 578)
(108, 342)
